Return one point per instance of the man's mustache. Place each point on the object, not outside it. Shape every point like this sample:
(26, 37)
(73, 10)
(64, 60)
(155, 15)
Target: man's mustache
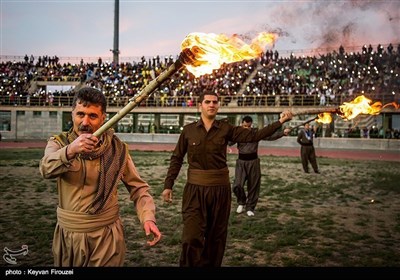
(85, 128)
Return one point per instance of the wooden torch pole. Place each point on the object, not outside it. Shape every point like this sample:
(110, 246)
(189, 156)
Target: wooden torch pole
(184, 58)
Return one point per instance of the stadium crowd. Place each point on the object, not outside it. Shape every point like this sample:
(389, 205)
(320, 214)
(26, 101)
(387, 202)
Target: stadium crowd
(270, 80)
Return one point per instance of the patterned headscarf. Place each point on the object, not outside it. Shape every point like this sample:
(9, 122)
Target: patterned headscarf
(112, 153)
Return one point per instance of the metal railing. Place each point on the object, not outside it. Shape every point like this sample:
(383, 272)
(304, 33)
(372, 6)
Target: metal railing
(183, 101)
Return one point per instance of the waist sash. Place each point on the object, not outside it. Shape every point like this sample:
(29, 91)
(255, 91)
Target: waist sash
(307, 144)
(84, 222)
(212, 177)
(251, 156)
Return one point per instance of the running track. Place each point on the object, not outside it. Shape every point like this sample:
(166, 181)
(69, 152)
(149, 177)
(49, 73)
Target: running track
(275, 151)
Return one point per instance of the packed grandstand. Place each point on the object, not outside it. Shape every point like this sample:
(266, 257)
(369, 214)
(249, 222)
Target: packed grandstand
(327, 79)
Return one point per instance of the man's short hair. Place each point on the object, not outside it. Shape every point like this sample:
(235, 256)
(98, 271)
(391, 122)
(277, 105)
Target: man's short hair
(89, 95)
(201, 97)
(247, 119)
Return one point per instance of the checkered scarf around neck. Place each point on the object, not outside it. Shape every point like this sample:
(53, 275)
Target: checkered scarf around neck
(112, 153)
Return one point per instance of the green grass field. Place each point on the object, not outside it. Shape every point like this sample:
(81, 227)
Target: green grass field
(347, 216)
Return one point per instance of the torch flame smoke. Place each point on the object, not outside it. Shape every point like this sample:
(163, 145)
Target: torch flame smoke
(212, 50)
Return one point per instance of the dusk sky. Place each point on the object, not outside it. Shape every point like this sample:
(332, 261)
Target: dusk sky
(68, 28)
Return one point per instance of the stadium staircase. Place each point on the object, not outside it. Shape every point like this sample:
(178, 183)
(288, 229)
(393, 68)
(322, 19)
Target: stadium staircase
(249, 78)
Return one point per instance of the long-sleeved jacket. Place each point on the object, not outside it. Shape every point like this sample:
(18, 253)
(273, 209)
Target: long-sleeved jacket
(77, 182)
(305, 138)
(252, 147)
(207, 150)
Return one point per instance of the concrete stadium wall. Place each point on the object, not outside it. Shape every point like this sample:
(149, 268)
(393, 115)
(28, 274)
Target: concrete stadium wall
(31, 125)
(27, 124)
(289, 141)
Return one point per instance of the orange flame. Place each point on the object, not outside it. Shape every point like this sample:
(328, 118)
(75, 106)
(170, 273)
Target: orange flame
(324, 118)
(360, 105)
(212, 50)
(394, 104)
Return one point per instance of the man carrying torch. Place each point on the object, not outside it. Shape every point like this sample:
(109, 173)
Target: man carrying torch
(206, 200)
(88, 169)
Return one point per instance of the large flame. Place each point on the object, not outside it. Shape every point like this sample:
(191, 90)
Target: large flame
(350, 110)
(212, 50)
(324, 118)
(360, 105)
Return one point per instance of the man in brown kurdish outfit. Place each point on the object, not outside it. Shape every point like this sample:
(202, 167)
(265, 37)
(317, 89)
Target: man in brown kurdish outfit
(206, 200)
(307, 152)
(248, 170)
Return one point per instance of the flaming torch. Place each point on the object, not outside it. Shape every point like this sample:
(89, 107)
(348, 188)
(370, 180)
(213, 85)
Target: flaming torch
(362, 105)
(349, 110)
(321, 118)
(201, 54)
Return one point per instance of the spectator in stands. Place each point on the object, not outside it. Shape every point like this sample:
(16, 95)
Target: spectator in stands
(141, 128)
(396, 134)
(390, 48)
(365, 132)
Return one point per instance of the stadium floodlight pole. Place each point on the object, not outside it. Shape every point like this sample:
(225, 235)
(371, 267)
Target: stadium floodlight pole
(115, 51)
(185, 58)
